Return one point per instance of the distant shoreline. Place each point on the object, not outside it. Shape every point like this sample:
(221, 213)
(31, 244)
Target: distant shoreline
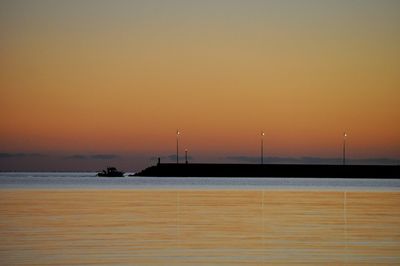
(271, 170)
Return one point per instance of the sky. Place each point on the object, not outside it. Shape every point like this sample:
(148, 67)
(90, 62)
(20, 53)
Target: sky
(85, 84)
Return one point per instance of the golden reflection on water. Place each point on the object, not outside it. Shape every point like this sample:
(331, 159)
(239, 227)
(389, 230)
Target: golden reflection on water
(194, 227)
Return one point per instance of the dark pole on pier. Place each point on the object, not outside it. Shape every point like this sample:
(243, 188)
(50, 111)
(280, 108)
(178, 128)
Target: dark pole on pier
(186, 151)
(262, 147)
(177, 146)
(344, 148)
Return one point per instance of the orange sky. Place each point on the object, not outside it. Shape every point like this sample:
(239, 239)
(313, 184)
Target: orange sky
(102, 77)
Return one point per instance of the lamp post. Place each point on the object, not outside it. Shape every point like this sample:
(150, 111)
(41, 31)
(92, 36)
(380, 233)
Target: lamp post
(177, 146)
(344, 148)
(262, 147)
(186, 160)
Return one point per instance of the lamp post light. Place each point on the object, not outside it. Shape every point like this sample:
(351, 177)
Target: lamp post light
(344, 148)
(262, 147)
(177, 146)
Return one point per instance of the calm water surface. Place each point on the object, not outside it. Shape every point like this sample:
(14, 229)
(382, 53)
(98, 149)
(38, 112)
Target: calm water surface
(75, 219)
(89, 180)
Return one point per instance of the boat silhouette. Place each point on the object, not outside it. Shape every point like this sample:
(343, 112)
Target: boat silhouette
(111, 172)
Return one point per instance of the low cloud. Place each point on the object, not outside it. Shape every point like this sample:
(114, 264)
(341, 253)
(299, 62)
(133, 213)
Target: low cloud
(104, 156)
(311, 160)
(170, 158)
(242, 158)
(257, 159)
(4, 155)
(376, 161)
(92, 157)
(77, 157)
(283, 160)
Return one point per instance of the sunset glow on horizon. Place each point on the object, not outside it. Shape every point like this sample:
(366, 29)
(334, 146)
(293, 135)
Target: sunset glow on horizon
(102, 77)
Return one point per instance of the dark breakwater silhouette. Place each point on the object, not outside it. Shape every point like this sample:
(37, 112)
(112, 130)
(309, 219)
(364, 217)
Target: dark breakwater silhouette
(271, 170)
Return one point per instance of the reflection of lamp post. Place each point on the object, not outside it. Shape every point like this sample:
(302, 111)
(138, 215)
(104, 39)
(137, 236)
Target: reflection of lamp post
(186, 151)
(344, 148)
(262, 147)
(177, 146)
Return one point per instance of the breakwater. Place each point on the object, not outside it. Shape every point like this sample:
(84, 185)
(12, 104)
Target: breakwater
(271, 170)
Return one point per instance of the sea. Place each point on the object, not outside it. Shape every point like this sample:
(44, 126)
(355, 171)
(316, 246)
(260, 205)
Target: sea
(64, 218)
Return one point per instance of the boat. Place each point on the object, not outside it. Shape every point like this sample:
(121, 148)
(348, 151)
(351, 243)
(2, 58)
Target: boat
(111, 172)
